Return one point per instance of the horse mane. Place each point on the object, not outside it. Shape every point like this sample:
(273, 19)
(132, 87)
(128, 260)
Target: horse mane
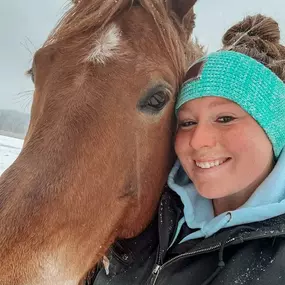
(86, 15)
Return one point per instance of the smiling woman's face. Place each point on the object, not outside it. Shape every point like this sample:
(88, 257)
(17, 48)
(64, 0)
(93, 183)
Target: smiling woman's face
(222, 148)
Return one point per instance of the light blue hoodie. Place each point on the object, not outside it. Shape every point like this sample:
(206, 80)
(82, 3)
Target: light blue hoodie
(266, 202)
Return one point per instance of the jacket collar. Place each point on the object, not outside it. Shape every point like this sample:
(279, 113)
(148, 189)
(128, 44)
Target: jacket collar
(162, 230)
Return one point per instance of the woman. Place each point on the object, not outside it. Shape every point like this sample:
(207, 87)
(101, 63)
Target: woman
(222, 220)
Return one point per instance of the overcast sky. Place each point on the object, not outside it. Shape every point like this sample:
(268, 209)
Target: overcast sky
(24, 25)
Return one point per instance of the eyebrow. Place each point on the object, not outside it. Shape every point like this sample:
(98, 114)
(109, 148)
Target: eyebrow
(216, 104)
(212, 105)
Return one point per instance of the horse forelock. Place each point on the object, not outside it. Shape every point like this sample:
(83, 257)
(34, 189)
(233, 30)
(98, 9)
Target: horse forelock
(100, 17)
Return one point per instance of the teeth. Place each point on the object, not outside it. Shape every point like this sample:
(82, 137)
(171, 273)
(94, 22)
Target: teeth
(210, 163)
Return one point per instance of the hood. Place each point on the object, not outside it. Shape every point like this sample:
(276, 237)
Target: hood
(266, 202)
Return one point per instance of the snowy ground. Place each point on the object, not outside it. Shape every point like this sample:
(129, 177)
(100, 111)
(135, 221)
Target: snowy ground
(9, 150)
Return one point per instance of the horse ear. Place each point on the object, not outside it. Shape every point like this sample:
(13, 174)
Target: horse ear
(181, 7)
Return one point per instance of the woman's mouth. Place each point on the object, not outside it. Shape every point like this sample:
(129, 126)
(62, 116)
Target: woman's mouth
(211, 163)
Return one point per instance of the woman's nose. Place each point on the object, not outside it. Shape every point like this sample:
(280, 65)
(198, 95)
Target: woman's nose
(204, 135)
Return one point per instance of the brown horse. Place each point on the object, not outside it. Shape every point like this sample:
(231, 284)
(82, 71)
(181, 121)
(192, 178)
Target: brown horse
(98, 149)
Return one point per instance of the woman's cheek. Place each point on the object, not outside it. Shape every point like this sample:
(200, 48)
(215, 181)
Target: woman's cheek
(180, 142)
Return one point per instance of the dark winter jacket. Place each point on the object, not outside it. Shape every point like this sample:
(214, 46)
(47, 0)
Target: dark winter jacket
(248, 254)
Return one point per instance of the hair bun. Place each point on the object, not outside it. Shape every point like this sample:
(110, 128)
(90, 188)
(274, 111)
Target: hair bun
(252, 31)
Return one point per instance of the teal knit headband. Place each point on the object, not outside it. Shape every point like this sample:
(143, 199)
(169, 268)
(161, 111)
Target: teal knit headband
(245, 81)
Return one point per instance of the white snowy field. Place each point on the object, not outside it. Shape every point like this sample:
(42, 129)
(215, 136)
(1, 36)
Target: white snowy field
(9, 150)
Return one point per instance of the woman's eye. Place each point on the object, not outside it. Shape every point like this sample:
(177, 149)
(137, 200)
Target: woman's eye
(225, 119)
(186, 124)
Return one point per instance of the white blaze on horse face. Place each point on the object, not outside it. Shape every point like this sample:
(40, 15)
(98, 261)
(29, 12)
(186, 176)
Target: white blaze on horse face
(107, 45)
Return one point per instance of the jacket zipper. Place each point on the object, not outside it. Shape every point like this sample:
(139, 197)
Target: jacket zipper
(158, 267)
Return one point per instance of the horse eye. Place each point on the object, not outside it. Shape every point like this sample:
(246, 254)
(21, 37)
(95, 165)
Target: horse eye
(157, 101)
(154, 103)
(30, 73)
